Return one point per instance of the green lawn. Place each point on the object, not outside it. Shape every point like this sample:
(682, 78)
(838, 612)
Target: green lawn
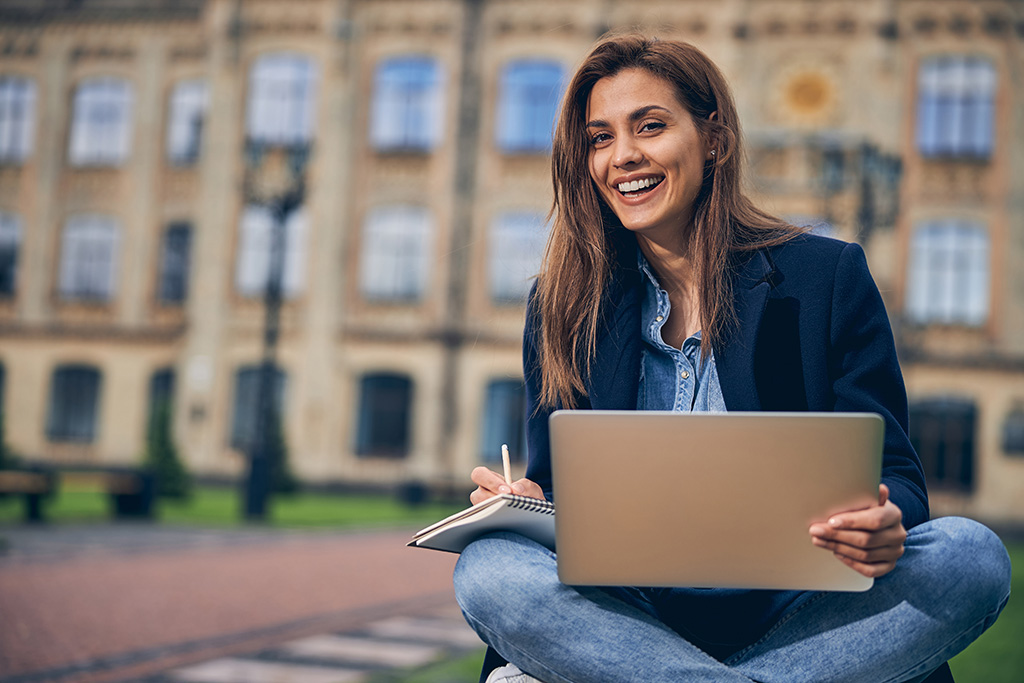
(998, 655)
(221, 507)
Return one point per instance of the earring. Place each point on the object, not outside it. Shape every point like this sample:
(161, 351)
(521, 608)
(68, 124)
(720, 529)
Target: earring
(712, 153)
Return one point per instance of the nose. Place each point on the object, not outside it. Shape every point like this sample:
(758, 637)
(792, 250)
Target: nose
(626, 152)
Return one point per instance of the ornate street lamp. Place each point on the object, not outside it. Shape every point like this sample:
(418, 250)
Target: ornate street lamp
(874, 176)
(274, 180)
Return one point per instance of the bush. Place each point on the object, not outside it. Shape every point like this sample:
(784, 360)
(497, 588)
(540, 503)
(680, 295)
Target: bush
(172, 479)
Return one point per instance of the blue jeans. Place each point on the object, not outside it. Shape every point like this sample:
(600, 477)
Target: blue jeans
(950, 585)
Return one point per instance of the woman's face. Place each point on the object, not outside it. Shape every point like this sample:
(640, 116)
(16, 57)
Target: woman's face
(646, 156)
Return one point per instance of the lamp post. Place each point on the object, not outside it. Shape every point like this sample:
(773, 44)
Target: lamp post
(274, 180)
(875, 177)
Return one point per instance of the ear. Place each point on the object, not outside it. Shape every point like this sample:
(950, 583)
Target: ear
(712, 151)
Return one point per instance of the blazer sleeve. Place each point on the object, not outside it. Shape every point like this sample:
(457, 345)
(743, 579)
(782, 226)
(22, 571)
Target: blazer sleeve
(867, 377)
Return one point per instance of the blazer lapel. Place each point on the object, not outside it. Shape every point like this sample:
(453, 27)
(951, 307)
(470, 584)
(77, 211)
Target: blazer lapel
(615, 377)
(735, 359)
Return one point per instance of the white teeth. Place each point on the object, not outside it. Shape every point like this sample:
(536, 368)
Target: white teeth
(636, 185)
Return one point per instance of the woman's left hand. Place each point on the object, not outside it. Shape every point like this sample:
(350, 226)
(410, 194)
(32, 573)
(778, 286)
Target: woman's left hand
(869, 540)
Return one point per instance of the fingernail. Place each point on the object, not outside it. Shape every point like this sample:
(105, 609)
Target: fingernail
(504, 489)
(835, 521)
(817, 530)
(517, 488)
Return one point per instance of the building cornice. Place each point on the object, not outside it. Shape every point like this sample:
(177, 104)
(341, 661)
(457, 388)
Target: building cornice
(32, 12)
(93, 332)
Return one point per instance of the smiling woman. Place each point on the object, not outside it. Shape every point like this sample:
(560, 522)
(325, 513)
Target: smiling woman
(664, 288)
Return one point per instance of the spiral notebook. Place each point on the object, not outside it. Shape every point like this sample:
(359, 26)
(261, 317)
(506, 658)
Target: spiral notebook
(530, 517)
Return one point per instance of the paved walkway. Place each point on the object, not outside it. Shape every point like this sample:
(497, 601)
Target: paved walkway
(137, 603)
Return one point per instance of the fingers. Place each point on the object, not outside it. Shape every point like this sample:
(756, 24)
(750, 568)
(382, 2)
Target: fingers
(870, 541)
(490, 484)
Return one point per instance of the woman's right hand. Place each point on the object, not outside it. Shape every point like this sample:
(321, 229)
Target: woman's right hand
(490, 484)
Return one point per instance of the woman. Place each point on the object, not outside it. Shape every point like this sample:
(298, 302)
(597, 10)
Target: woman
(707, 303)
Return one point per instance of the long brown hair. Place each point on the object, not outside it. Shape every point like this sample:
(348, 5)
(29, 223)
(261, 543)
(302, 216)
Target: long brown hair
(579, 257)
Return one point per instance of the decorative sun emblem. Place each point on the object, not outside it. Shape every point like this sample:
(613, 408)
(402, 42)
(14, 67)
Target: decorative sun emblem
(807, 96)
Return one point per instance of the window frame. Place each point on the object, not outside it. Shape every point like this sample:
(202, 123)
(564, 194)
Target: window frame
(396, 254)
(282, 99)
(515, 246)
(68, 420)
(949, 273)
(175, 267)
(374, 420)
(11, 233)
(18, 98)
(504, 397)
(523, 105)
(101, 126)
(102, 286)
(407, 108)
(187, 107)
(955, 109)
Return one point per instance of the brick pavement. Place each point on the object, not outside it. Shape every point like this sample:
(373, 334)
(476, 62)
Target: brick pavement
(116, 603)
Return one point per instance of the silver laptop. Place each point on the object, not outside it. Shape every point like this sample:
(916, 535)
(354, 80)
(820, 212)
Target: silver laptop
(649, 498)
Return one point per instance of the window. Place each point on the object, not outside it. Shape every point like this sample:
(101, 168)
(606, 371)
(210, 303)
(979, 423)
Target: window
(186, 114)
(252, 272)
(396, 253)
(527, 105)
(174, 264)
(385, 415)
(282, 99)
(504, 421)
(74, 404)
(101, 124)
(17, 118)
(246, 416)
(10, 245)
(161, 393)
(88, 264)
(516, 248)
(949, 274)
(955, 107)
(942, 431)
(1013, 431)
(406, 104)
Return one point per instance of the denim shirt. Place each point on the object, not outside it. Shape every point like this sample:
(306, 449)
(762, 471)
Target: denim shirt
(670, 378)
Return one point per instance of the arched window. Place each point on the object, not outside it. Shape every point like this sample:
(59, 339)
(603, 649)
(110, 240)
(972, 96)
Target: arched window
(527, 104)
(185, 119)
(516, 247)
(504, 420)
(101, 123)
(406, 104)
(17, 118)
(89, 256)
(281, 108)
(74, 404)
(397, 248)
(949, 274)
(255, 245)
(385, 415)
(956, 106)
(10, 246)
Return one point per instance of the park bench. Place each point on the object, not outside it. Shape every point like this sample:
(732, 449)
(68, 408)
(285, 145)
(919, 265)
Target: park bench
(132, 490)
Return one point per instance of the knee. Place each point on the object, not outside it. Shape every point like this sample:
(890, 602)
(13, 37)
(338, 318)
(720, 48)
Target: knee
(501, 572)
(976, 558)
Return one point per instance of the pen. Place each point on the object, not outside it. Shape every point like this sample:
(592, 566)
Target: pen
(505, 463)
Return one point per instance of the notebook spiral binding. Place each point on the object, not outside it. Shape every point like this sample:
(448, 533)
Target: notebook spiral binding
(532, 505)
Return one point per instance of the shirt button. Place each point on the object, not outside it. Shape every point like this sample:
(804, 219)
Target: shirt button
(659, 318)
(684, 374)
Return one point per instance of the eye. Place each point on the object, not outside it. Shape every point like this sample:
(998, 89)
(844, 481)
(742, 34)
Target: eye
(651, 126)
(599, 138)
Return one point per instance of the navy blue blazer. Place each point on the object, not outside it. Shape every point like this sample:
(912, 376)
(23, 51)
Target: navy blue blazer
(812, 335)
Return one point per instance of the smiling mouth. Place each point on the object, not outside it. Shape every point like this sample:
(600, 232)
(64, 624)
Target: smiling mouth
(636, 188)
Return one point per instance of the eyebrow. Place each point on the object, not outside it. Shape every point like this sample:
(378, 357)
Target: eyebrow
(634, 116)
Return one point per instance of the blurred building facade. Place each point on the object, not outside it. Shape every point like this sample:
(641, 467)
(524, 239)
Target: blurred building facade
(133, 268)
